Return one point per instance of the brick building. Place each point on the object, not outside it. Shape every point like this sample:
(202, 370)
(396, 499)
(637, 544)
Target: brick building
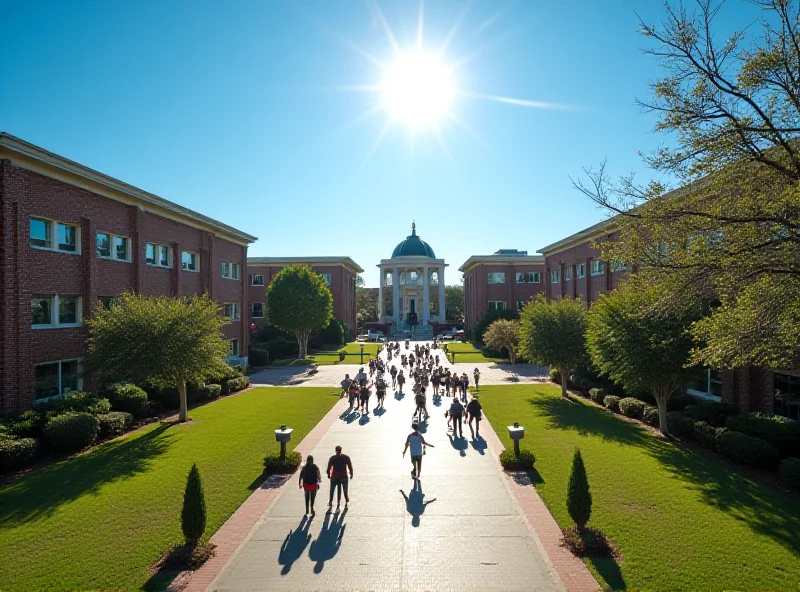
(504, 280)
(70, 236)
(340, 274)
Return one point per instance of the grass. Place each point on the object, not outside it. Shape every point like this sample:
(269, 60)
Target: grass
(331, 357)
(468, 354)
(100, 519)
(682, 521)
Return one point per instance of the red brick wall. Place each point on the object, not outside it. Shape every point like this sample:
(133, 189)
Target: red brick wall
(593, 285)
(28, 271)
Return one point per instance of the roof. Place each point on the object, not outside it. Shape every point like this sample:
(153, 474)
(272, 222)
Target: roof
(505, 259)
(41, 161)
(584, 235)
(413, 246)
(343, 261)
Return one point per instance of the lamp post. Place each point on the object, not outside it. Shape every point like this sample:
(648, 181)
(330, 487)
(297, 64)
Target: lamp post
(362, 354)
(283, 436)
(516, 433)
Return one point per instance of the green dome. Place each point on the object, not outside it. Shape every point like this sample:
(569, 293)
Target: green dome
(413, 246)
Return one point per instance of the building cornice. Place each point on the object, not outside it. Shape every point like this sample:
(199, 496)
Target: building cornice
(587, 234)
(501, 260)
(268, 261)
(28, 156)
(414, 260)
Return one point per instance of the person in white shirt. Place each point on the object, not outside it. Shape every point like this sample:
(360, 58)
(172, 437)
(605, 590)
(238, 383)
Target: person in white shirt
(415, 441)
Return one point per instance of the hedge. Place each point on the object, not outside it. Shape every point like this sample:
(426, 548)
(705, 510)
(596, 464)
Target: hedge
(747, 450)
(78, 402)
(706, 434)
(129, 398)
(783, 435)
(16, 454)
(71, 432)
(630, 407)
(209, 392)
(650, 416)
(790, 472)
(709, 411)
(235, 384)
(612, 402)
(273, 465)
(680, 425)
(597, 395)
(114, 423)
(512, 462)
(258, 356)
(30, 423)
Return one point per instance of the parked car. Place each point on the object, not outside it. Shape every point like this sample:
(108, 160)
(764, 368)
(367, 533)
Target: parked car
(375, 336)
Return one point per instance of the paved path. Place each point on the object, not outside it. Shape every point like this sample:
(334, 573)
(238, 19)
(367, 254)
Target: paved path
(459, 528)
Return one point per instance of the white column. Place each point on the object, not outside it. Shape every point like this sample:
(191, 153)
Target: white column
(381, 279)
(442, 316)
(426, 296)
(396, 295)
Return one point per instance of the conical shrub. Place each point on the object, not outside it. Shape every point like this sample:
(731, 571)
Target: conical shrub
(193, 515)
(579, 499)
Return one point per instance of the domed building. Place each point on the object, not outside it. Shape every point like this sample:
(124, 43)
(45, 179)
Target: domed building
(411, 287)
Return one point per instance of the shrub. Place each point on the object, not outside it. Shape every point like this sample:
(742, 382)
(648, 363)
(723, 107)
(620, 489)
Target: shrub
(235, 384)
(209, 392)
(274, 466)
(71, 431)
(258, 356)
(512, 462)
(680, 425)
(129, 398)
(705, 434)
(783, 435)
(630, 407)
(585, 384)
(650, 416)
(591, 542)
(612, 403)
(16, 454)
(30, 423)
(579, 498)
(790, 472)
(193, 515)
(709, 411)
(747, 450)
(114, 423)
(167, 397)
(555, 375)
(680, 402)
(597, 395)
(78, 402)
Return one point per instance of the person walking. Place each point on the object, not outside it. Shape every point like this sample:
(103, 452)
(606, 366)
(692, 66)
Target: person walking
(338, 466)
(352, 393)
(476, 374)
(345, 385)
(401, 380)
(380, 390)
(310, 479)
(415, 441)
(364, 398)
(456, 413)
(361, 377)
(474, 412)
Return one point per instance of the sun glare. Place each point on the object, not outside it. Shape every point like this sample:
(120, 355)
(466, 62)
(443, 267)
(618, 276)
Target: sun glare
(418, 90)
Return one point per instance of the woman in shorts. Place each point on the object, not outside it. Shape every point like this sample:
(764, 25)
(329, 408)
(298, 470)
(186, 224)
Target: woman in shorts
(310, 479)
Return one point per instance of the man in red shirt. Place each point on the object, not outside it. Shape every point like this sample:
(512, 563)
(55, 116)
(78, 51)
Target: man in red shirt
(338, 466)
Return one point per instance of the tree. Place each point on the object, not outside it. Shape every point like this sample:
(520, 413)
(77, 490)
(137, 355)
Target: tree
(454, 303)
(490, 317)
(193, 514)
(579, 498)
(299, 301)
(552, 333)
(640, 345)
(157, 340)
(504, 334)
(366, 305)
(729, 234)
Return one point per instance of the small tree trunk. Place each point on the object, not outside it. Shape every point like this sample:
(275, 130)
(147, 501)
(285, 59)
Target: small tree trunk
(661, 397)
(184, 411)
(563, 370)
(512, 355)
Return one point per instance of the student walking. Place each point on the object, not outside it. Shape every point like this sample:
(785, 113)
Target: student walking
(310, 479)
(365, 393)
(476, 374)
(415, 441)
(338, 466)
(474, 412)
(456, 413)
(380, 390)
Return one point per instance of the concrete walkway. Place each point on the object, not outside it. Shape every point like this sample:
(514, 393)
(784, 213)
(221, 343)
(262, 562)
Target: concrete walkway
(458, 528)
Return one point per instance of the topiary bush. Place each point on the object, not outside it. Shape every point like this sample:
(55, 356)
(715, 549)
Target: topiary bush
(630, 407)
(71, 431)
(579, 498)
(790, 472)
(193, 514)
(705, 434)
(597, 395)
(611, 402)
(114, 423)
(209, 392)
(680, 425)
(129, 398)
(274, 466)
(16, 454)
(747, 450)
(650, 416)
(709, 411)
(782, 434)
(512, 462)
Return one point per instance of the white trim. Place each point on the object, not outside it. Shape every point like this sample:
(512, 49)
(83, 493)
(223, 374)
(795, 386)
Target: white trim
(52, 226)
(55, 312)
(252, 275)
(704, 396)
(346, 262)
(197, 261)
(158, 247)
(112, 247)
(60, 387)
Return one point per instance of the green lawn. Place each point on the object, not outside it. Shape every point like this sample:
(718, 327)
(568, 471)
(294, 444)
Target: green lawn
(331, 357)
(99, 520)
(682, 521)
(466, 353)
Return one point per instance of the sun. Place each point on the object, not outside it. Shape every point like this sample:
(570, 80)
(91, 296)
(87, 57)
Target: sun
(418, 90)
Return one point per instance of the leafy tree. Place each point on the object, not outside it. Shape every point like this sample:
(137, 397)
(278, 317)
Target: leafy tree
(729, 233)
(193, 515)
(157, 340)
(552, 333)
(490, 317)
(366, 305)
(299, 301)
(639, 344)
(454, 303)
(579, 498)
(504, 334)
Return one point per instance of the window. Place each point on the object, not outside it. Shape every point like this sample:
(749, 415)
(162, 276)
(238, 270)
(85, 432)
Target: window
(120, 248)
(56, 378)
(520, 303)
(225, 272)
(57, 236)
(257, 310)
(234, 271)
(555, 276)
(598, 267)
(534, 277)
(190, 261)
(231, 310)
(521, 277)
(581, 270)
(618, 266)
(164, 256)
(54, 311)
(497, 304)
(497, 277)
(568, 273)
(708, 385)
(150, 253)
(103, 245)
(327, 278)
(787, 396)
(256, 279)
(158, 255)
(234, 347)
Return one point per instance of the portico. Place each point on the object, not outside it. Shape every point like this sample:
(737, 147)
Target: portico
(411, 287)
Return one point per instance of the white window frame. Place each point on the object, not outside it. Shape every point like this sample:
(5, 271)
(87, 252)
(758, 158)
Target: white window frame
(534, 277)
(235, 271)
(256, 275)
(705, 395)
(253, 311)
(225, 269)
(52, 227)
(580, 272)
(112, 247)
(61, 392)
(522, 277)
(491, 277)
(568, 273)
(598, 267)
(555, 276)
(157, 247)
(236, 311)
(184, 265)
(55, 305)
(233, 354)
(489, 304)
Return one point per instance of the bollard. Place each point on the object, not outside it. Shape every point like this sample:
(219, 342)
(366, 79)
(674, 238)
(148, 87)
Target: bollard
(516, 433)
(283, 436)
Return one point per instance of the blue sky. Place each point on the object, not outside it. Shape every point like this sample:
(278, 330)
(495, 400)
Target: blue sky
(245, 111)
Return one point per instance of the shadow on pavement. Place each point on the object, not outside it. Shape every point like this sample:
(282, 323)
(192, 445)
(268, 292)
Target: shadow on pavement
(479, 444)
(415, 502)
(294, 545)
(329, 540)
(459, 444)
